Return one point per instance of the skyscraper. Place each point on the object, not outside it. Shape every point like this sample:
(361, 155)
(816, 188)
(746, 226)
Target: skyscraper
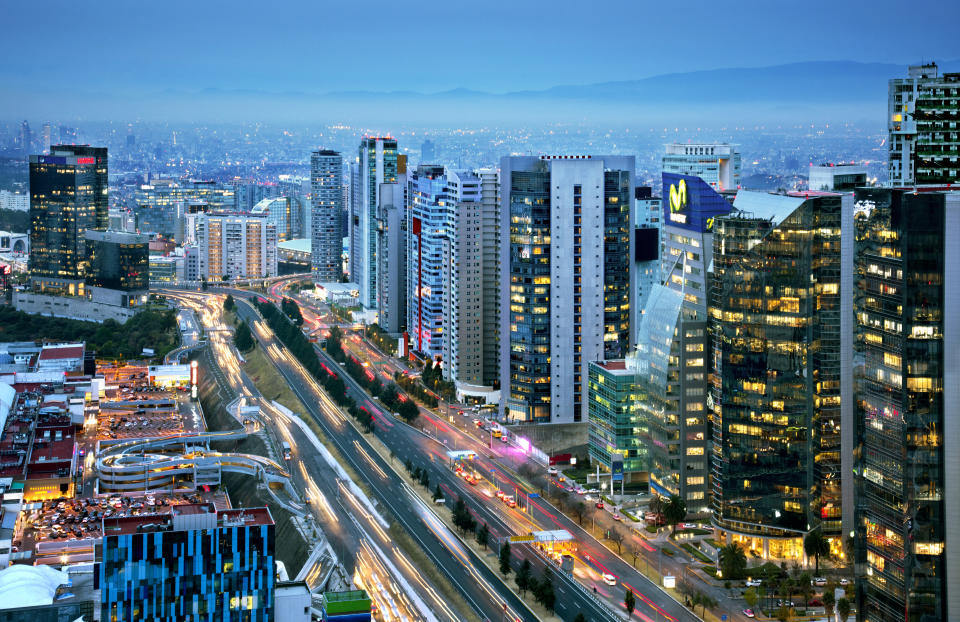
(376, 164)
(46, 137)
(907, 443)
(118, 260)
(565, 279)
(779, 295)
(673, 346)
(392, 253)
(68, 196)
(326, 207)
(718, 164)
(921, 120)
(428, 152)
(195, 563)
(26, 137)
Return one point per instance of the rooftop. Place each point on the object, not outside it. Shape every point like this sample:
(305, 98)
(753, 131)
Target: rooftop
(65, 351)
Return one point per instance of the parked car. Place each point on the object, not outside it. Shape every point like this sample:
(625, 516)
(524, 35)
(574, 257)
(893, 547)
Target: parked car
(749, 613)
(754, 582)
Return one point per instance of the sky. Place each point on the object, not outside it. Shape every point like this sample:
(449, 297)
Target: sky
(493, 45)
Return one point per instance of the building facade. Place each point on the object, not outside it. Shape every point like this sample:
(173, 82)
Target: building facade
(326, 209)
(195, 563)
(282, 213)
(235, 246)
(376, 164)
(907, 442)
(565, 286)
(718, 164)
(118, 260)
(923, 138)
(392, 256)
(836, 177)
(780, 289)
(614, 417)
(68, 196)
(648, 210)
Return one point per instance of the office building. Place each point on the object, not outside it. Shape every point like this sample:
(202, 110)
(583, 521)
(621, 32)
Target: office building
(921, 119)
(673, 346)
(906, 447)
(236, 246)
(392, 254)
(832, 177)
(326, 210)
(780, 301)
(26, 138)
(194, 563)
(615, 433)
(46, 137)
(246, 194)
(161, 205)
(68, 196)
(376, 164)
(718, 164)
(15, 201)
(282, 213)
(647, 210)
(118, 261)
(565, 290)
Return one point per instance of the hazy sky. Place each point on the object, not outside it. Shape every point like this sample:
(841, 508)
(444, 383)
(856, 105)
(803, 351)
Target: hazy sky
(131, 47)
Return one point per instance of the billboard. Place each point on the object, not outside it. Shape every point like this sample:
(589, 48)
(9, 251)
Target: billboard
(690, 203)
(616, 468)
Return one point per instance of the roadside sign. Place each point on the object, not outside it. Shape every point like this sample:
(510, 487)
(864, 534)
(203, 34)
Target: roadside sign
(527, 538)
(616, 467)
(534, 495)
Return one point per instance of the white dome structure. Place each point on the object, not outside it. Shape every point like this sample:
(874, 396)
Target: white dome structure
(29, 586)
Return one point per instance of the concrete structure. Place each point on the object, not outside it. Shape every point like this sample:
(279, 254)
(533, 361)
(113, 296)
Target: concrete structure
(921, 122)
(96, 305)
(293, 601)
(832, 177)
(905, 445)
(565, 279)
(326, 210)
(718, 164)
(376, 164)
(236, 246)
(295, 251)
(14, 243)
(780, 298)
(392, 256)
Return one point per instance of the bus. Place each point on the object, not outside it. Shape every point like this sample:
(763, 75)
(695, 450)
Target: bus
(286, 450)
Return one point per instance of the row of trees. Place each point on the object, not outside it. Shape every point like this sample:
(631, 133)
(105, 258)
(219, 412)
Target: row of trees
(432, 378)
(411, 386)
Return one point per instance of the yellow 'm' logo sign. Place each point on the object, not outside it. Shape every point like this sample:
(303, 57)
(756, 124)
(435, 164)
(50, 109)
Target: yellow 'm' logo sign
(678, 196)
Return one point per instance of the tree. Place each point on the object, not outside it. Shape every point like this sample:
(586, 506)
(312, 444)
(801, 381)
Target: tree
(733, 561)
(636, 552)
(524, 577)
(505, 558)
(617, 537)
(580, 509)
(806, 590)
(656, 504)
(580, 618)
(629, 602)
(843, 609)
(783, 613)
(243, 338)
(544, 590)
(437, 494)
(829, 600)
(751, 597)
(674, 511)
(815, 545)
(483, 535)
(228, 303)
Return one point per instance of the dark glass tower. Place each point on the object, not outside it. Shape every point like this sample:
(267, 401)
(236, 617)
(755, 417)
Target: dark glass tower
(118, 260)
(68, 196)
(775, 308)
(906, 378)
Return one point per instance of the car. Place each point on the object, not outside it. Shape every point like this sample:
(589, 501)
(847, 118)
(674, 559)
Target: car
(818, 581)
(754, 582)
(552, 471)
(609, 579)
(844, 582)
(749, 613)
(500, 494)
(561, 479)
(599, 505)
(617, 516)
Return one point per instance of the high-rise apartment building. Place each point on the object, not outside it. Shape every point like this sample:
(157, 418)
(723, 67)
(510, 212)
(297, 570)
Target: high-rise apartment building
(718, 164)
(68, 196)
(236, 246)
(780, 311)
(376, 164)
(194, 563)
(392, 256)
(673, 346)
(446, 267)
(26, 137)
(906, 448)
(923, 135)
(566, 296)
(490, 275)
(326, 209)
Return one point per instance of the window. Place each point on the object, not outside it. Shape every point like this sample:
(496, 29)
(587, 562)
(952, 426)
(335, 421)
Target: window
(694, 451)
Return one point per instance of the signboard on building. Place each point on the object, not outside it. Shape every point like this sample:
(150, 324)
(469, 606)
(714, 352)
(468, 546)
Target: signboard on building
(690, 203)
(616, 468)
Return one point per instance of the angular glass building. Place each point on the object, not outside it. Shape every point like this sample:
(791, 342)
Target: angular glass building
(907, 379)
(614, 422)
(193, 564)
(778, 292)
(118, 260)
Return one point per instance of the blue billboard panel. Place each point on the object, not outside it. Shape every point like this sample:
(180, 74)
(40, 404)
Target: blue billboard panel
(690, 203)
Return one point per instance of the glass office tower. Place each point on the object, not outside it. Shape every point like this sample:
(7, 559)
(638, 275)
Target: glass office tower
(775, 310)
(195, 563)
(118, 260)
(68, 196)
(907, 364)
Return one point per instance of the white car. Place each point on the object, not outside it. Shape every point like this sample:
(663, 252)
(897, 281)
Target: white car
(552, 471)
(818, 581)
(754, 582)
(609, 579)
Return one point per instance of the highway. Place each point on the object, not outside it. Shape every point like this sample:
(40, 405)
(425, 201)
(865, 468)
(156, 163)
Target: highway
(394, 584)
(482, 588)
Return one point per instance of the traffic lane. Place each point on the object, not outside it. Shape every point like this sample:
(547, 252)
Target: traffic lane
(392, 496)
